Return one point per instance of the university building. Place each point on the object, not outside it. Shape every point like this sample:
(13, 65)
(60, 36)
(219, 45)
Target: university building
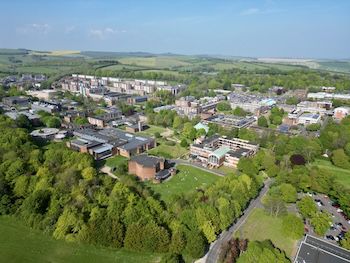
(216, 151)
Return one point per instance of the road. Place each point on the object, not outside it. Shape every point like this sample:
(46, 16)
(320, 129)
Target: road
(107, 170)
(214, 251)
(180, 161)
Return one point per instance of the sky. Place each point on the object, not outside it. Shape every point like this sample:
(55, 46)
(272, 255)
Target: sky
(260, 28)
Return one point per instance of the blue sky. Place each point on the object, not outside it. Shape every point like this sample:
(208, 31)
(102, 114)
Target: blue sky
(266, 28)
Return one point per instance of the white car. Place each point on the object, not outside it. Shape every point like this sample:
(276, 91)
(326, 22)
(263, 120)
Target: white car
(339, 210)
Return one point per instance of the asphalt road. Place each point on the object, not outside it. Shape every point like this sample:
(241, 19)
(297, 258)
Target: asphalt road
(197, 165)
(214, 251)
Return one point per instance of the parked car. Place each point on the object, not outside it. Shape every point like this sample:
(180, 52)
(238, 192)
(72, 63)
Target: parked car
(330, 237)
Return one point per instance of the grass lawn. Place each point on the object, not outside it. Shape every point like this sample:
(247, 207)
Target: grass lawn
(152, 129)
(187, 179)
(260, 226)
(226, 170)
(19, 243)
(168, 151)
(341, 175)
(116, 161)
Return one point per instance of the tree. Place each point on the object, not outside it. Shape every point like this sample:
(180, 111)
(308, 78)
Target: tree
(307, 207)
(340, 159)
(277, 120)
(238, 111)
(293, 226)
(177, 122)
(223, 106)
(313, 127)
(201, 132)
(53, 122)
(320, 222)
(81, 120)
(345, 242)
(262, 122)
(157, 135)
(274, 206)
(171, 258)
(261, 252)
(184, 143)
(292, 101)
(195, 246)
(89, 173)
(247, 166)
(213, 84)
(189, 131)
(288, 193)
(22, 121)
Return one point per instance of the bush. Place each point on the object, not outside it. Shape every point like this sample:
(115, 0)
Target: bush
(184, 143)
(157, 135)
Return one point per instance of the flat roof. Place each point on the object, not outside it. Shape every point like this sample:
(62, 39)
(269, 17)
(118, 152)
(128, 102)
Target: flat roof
(315, 250)
(220, 152)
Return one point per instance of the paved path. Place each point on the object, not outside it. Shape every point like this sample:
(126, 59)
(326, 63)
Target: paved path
(214, 251)
(107, 170)
(185, 162)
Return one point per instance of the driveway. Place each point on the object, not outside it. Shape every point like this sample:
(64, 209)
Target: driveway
(185, 162)
(107, 170)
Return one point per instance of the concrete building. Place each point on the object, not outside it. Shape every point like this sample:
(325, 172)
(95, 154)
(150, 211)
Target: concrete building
(216, 151)
(316, 107)
(230, 121)
(47, 106)
(108, 142)
(326, 95)
(341, 112)
(16, 101)
(253, 103)
(46, 133)
(308, 118)
(34, 118)
(149, 167)
(137, 99)
(103, 119)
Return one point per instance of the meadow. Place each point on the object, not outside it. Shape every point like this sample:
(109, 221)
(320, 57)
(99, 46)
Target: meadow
(341, 175)
(260, 226)
(187, 179)
(19, 243)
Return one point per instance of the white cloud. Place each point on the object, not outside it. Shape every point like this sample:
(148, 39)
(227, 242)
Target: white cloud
(104, 32)
(255, 11)
(250, 11)
(69, 29)
(34, 28)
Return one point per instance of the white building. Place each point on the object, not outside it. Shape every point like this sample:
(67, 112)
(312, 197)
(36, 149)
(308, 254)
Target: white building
(309, 118)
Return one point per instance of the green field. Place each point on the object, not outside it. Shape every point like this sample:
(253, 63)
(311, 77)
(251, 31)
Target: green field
(168, 151)
(116, 161)
(187, 179)
(22, 244)
(152, 129)
(155, 61)
(261, 226)
(341, 175)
